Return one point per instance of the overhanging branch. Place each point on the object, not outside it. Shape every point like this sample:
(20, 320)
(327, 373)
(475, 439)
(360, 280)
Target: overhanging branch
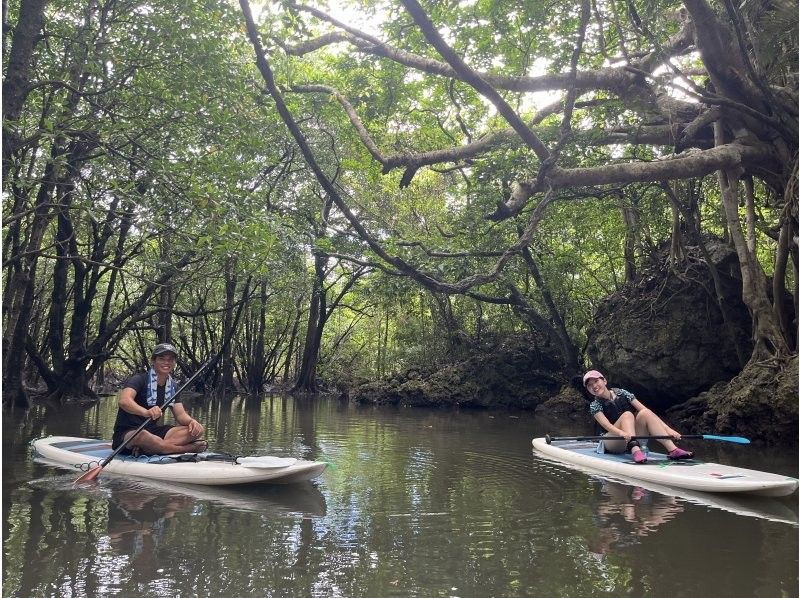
(688, 165)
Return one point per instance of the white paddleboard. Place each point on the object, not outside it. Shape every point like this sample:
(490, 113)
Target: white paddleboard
(691, 474)
(83, 453)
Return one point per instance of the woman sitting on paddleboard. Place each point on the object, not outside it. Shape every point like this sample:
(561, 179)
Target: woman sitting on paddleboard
(620, 413)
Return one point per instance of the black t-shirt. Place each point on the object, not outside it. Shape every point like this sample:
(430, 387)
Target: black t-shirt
(141, 384)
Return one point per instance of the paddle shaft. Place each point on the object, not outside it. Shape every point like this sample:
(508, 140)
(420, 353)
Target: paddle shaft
(95, 471)
(736, 439)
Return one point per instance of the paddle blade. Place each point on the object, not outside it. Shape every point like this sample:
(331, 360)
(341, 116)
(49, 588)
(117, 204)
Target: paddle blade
(736, 439)
(89, 476)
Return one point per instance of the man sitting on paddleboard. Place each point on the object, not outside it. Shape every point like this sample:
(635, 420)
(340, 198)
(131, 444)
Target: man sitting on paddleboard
(630, 418)
(141, 398)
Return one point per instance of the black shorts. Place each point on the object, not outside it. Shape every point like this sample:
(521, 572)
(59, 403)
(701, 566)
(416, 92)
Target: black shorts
(119, 436)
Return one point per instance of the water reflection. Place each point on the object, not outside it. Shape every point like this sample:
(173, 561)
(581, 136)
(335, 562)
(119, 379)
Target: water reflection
(415, 503)
(137, 524)
(783, 510)
(292, 499)
(627, 513)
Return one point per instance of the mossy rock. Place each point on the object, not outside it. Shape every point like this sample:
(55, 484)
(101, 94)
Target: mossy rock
(519, 372)
(760, 403)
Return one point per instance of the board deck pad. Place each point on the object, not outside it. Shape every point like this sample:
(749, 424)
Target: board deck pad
(654, 459)
(102, 450)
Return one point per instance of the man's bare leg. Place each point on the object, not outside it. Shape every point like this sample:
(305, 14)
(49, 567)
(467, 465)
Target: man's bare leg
(172, 443)
(181, 436)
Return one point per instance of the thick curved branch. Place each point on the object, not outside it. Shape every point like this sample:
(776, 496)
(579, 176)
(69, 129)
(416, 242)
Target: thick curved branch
(618, 80)
(626, 82)
(689, 165)
(416, 160)
(315, 44)
(666, 134)
(449, 254)
(355, 120)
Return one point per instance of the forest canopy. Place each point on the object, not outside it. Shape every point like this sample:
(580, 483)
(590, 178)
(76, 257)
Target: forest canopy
(324, 190)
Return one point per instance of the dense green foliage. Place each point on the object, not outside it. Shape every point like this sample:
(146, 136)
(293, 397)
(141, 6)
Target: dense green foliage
(152, 190)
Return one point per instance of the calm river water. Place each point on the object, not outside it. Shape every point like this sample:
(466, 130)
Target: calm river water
(415, 502)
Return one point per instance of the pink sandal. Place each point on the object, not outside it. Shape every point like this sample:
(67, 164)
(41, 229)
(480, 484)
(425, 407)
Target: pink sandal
(640, 457)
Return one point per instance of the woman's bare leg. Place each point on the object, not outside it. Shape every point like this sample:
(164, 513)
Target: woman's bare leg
(649, 424)
(627, 424)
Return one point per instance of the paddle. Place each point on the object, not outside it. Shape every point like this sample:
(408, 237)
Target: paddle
(736, 439)
(95, 471)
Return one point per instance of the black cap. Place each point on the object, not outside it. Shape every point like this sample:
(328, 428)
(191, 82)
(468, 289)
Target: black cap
(162, 348)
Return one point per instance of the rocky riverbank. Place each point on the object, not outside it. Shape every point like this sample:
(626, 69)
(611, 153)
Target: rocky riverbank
(667, 337)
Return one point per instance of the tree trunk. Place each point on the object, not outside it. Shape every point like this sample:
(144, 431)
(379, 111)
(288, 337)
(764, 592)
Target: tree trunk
(786, 313)
(298, 314)
(768, 342)
(22, 281)
(126, 221)
(384, 355)
(632, 226)
(252, 357)
(447, 322)
(166, 301)
(16, 83)
(307, 376)
(558, 330)
(676, 249)
(228, 326)
(74, 383)
(58, 296)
